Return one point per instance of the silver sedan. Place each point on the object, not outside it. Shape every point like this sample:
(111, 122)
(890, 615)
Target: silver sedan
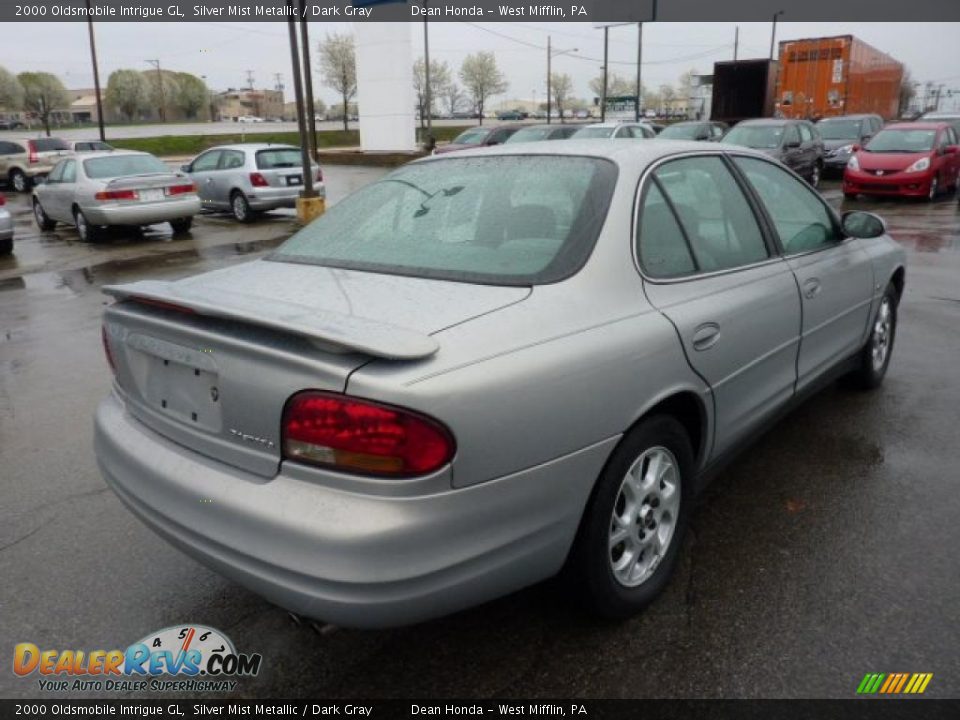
(101, 189)
(485, 368)
(250, 178)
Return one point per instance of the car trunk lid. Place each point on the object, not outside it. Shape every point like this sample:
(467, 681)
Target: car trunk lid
(209, 362)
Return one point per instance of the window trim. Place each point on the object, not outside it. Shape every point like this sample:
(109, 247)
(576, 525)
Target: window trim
(837, 226)
(774, 250)
(211, 151)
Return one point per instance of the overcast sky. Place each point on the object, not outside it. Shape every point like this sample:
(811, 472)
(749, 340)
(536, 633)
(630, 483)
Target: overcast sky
(223, 52)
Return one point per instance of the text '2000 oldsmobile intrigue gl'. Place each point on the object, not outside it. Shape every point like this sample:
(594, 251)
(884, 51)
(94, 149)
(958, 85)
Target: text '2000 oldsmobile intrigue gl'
(486, 368)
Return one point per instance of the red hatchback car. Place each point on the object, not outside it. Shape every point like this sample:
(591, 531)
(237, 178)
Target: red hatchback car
(918, 159)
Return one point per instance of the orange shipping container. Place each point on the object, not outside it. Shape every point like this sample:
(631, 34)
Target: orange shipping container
(841, 75)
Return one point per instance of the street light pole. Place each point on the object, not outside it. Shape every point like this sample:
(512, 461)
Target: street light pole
(308, 80)
(773, 33)
(603, 95)
(549, 93)
(426, 77)
(639, 65)
(308, 191)
(96, 72)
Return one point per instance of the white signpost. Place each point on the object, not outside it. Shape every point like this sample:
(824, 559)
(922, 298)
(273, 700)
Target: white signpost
(385, 87)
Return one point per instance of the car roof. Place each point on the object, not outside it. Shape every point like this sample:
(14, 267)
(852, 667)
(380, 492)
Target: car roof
(851, 116)
(253, 146)
(940, 115)
(917, 125)
(768, 121)
(627, 155)
(107, 153)
(614, 124)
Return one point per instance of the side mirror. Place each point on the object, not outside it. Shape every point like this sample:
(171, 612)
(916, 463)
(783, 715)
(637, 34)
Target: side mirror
(863, 225)
(866, 138)
(951, 149)
(492, 142)
(855, 148)
(185, 168)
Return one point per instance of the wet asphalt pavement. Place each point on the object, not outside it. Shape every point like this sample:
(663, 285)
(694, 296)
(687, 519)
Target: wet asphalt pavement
(828, 550)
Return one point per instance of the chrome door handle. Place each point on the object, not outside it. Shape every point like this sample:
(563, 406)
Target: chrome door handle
(706, 336)
(811, 288)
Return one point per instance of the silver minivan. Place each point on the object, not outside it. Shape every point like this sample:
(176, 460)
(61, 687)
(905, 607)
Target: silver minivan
(250, 178)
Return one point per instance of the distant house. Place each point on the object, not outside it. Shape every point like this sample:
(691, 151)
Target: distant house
(234, 104)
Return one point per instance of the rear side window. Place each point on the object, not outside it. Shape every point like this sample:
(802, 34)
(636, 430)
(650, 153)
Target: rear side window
(50, 144)
(715, 215)
(661, 246)
(278, 158)
(232, 159)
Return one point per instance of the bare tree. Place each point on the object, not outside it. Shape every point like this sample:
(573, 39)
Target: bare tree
(616, 86)
(560, 86)
(439, 79)
(127, 93)
(667, 95)
(11, 92)
(482, 78)
(452, 96)
(908, 91)
(43, 94)
(338, 67)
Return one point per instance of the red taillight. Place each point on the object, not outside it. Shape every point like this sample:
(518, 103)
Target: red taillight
(3, 200)
(345, 433)
(181, 189)
(258, 180)
(117, 195)
(32, 149)
(106, 349)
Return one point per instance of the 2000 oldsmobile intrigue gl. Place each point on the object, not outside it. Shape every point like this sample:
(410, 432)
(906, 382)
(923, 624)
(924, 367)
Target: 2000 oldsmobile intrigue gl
(485, 368)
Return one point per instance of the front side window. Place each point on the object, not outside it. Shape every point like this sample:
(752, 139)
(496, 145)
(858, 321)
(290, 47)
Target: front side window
(206, 162)
(805, 134)
(791, 136)
(715, 215)
(802, 221)
(764, 137)
(50, 145)
(57, 173)
(504, 220)
(232, 159)
(470, 137)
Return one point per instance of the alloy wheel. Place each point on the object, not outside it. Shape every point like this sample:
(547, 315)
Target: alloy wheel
(881, 336)
(644, 516)
(19, 181)
(239, 207)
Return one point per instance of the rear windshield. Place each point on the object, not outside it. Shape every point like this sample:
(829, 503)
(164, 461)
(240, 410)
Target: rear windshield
(755, 136)
(121, 165)
(505, 220)
(529, 135)
(50, 144)
(592, 132)
(905, 141)
(839, 129)
(279, 158)
(470, 137)
(683, 132)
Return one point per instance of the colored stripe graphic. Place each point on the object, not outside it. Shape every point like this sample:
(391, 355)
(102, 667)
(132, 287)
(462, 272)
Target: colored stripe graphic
(894, 683)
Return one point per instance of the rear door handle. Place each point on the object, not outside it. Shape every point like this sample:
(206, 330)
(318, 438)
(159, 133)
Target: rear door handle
(811, 288)
(706, 336)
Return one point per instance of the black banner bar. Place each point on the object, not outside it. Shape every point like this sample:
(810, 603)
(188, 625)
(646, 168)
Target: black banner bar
(607, 11)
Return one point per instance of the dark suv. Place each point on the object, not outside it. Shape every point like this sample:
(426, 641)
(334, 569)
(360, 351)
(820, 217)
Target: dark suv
(841, 133)
(795, 143)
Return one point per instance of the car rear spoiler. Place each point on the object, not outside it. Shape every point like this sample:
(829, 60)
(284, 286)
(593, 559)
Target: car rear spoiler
(321, 326)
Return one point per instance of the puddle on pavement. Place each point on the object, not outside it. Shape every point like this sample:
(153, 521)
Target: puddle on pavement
(76, 281)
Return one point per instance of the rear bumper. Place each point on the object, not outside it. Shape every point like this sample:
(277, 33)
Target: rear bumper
(354, 559)
(900, 184)
(281, 197)
(142, 213)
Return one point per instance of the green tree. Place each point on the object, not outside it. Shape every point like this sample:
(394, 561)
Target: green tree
(43, 93)
(439, 79)
(11, 92)
(338, 67)
(190, 94)
(127, 93)
(482, 78)
(162, 89)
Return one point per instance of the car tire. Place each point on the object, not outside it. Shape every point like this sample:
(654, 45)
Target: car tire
(934, 189)
(875, 356)
(240, 207)
(649, 507)
(86, 231)
(816, 175)
(43, 220)
(181, 225)
(6, 246)
(19, 181)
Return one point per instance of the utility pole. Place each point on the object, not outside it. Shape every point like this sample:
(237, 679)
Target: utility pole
(736, 43)
(278, 85)
(96, 72)
(308, 190)
(308, 79)
(603, 96)
(163, 101)
(773, 33)
(639, 65)
(426, 77)
(249, 79)
(549, 94)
